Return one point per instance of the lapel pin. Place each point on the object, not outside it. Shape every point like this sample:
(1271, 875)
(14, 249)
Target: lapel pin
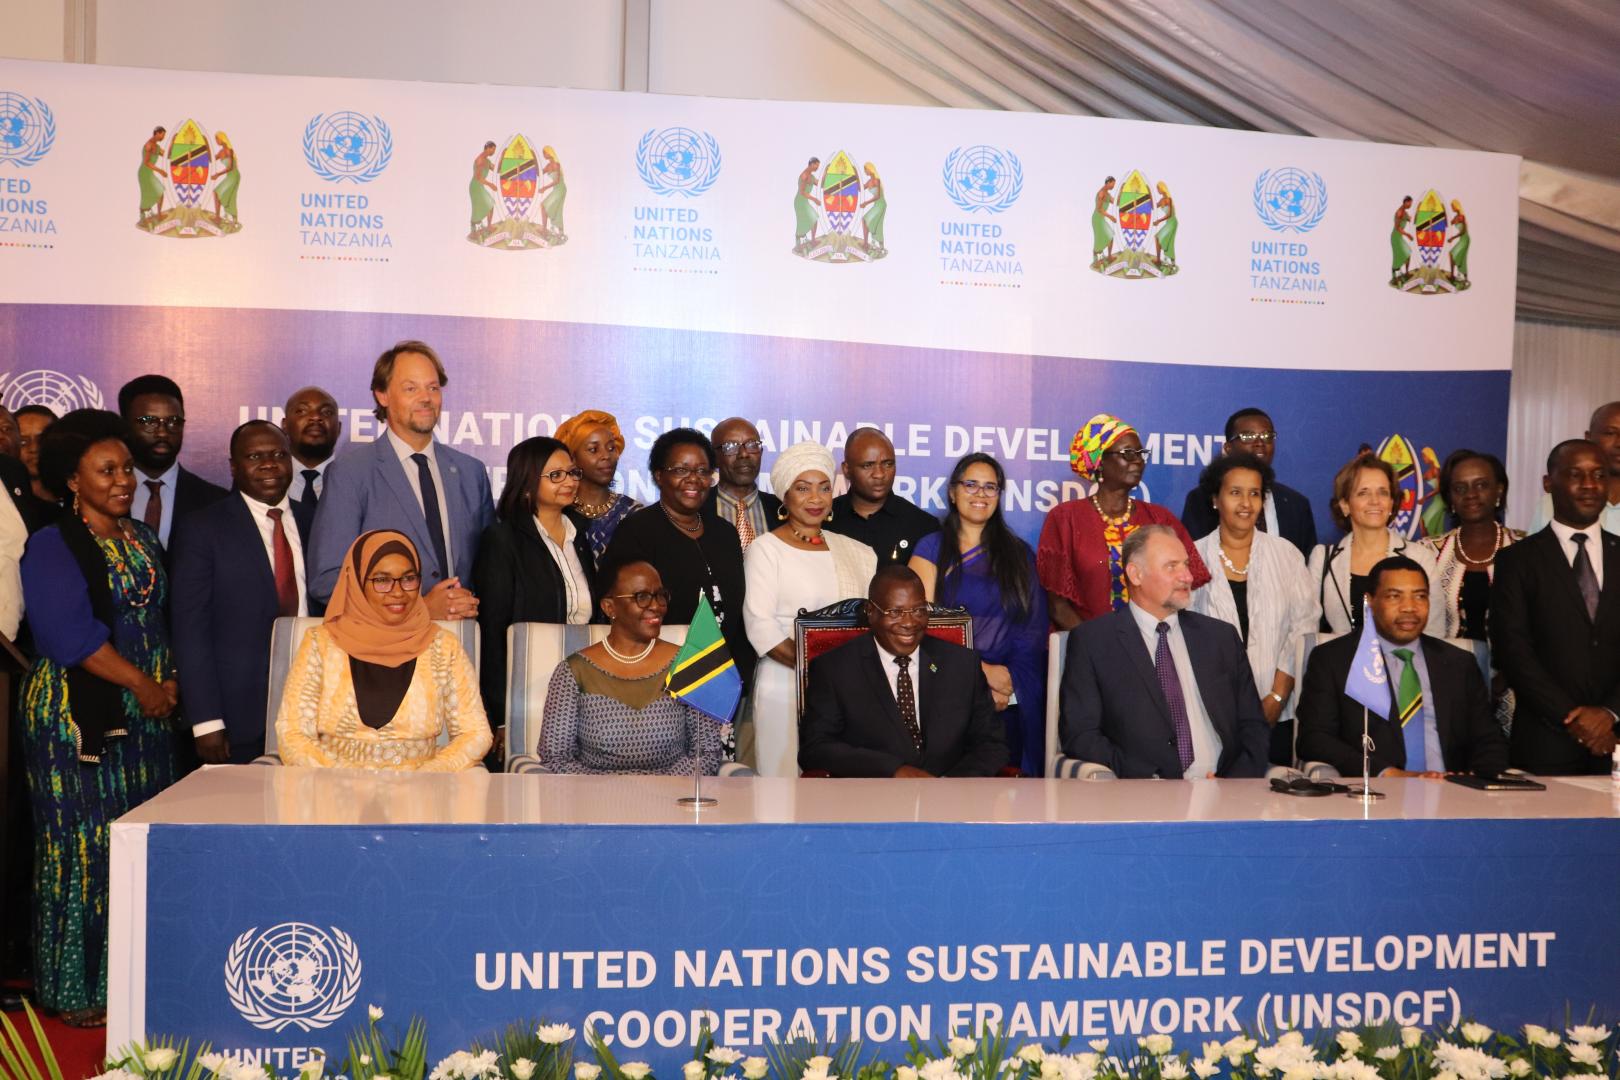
(933, 668)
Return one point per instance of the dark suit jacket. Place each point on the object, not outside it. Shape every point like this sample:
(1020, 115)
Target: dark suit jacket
(768, 502)
(1113, 712)
(222, 607)
(1330, 721)
(36, 513)
(852, 725)
(1296, 523)
(192, 493)
(1552, 655)
(517, 580)
(366, 489)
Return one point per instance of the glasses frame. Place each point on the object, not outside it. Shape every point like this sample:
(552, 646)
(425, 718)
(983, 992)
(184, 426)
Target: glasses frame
(395, 584)
(650, 594)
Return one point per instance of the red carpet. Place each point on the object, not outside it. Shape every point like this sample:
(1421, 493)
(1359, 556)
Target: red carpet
(78, 1050)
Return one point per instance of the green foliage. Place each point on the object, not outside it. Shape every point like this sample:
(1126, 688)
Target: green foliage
(17, 1061)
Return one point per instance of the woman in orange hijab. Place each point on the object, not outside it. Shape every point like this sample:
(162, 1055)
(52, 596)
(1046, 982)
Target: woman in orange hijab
(374, 685)
(594, 439)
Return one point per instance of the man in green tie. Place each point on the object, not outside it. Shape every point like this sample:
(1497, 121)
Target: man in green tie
(1439, 718)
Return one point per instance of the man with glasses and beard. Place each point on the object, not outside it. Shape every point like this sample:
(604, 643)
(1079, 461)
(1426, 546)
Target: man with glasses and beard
(166, 491)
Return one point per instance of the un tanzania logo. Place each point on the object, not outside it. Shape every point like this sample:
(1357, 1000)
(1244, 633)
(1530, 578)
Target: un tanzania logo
(27, 128)
(292, 975)
(348, 146)
(983, 178)
(1290, 199)
(57, 392)
(678, 161)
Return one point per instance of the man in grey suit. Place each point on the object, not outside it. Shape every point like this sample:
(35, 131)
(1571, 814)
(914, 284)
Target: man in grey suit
(1155, 689)
(408, 481)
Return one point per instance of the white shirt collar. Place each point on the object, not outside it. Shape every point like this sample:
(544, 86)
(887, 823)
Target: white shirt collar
(889, 657)
(569, 532)
(168, 478)
(1566, 533)
(403, 451)
(1148, 622)
(258, 508)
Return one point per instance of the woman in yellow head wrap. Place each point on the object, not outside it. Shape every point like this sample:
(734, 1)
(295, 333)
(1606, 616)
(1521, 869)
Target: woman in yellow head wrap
(227, 180)
(593, 437)
(1164, 241)
(1079, 554)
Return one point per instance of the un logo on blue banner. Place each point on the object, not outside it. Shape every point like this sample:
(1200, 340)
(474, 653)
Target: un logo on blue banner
(348, 146)
(678, 161)
(1290, 199)
(983, 178)
(27, 128)
(292, 975)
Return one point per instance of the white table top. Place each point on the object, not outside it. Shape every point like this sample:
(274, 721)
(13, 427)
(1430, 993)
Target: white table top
(267, 795)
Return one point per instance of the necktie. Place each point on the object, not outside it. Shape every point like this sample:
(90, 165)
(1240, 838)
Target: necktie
(286, 573)
(1170, 682)
(154, 506)
(1585, 576)
(906, 697)
(745, 526)
(430, 511)
(1409, 707)
(309, 498)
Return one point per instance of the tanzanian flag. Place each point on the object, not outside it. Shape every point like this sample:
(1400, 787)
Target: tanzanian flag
(703, 674)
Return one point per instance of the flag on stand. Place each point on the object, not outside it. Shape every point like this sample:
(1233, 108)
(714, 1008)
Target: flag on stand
(703, 674)
(1368, 683)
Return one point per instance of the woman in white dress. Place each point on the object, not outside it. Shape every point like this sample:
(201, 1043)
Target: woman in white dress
(1260, 586)
(797, 566)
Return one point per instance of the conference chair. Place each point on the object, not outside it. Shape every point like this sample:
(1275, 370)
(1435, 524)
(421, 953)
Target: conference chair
(288, 633)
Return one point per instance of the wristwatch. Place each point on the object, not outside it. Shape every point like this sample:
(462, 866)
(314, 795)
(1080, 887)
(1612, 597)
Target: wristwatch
(1276, 696)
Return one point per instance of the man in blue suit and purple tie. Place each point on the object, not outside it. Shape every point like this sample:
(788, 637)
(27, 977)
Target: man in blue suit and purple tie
(1156, 690)
(408, 481)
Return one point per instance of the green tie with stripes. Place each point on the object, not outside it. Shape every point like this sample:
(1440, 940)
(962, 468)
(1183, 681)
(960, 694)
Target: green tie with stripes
(1409, 691)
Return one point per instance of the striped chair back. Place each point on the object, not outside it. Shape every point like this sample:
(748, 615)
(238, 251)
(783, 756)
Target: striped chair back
(533, 651)
(285, 637)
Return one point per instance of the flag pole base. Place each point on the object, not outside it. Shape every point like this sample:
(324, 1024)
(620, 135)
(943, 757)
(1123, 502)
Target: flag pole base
(697, 802)
(1364, 793)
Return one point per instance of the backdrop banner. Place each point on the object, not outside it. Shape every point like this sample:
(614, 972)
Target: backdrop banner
(273, 941)
(967, 280)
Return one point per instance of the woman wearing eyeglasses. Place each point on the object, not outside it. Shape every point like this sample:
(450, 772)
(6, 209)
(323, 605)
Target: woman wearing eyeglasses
(535, 563)
(607, 709)
(976, 562)
(374, 685)
(1079, 556)
(798, 566)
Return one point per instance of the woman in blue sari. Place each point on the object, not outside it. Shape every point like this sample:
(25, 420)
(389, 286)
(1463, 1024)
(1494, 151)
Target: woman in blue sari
(976, 562)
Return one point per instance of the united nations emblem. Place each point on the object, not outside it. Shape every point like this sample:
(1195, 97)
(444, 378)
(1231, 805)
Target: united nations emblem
(351, 146)
(1121, 222)
(1431, 229)
(517, 205)
(983, 178)
(678, 161)
(189, 188)
(1290, 199)
(826, 205)
(27, 129)
(57, 392)
(292, 975)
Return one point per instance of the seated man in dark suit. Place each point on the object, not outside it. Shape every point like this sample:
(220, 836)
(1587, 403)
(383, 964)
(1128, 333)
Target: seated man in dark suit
(1555, 623)
(1449, 726)
(1155, 689)
(238, 564)
(897, 702)
(1287, 513)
